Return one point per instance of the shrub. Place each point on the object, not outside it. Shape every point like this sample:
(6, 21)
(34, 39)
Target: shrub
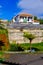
(20, 48)
(15, 47)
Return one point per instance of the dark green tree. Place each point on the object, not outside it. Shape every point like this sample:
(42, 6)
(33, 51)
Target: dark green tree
(35, 17)
(41, 21)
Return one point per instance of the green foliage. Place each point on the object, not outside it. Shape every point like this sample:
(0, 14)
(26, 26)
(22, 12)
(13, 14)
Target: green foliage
(38, 46)
(26, 46)
(35, 17)
(3, 31)
(14, 42)
(15, 47)
(41, 21)
(29, 36)
(4, 48)
(1, 53)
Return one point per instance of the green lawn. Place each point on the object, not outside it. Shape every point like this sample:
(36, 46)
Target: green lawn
(36, 45)
(26, 46)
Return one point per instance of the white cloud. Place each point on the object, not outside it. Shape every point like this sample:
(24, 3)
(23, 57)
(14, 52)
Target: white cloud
(34, 7)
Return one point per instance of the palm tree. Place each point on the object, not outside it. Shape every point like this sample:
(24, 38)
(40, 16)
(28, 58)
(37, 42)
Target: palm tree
(30, 37)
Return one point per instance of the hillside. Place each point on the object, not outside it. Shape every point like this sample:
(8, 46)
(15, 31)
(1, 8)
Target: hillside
(4, 36)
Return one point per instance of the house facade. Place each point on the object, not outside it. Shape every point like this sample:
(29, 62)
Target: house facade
(25, 18)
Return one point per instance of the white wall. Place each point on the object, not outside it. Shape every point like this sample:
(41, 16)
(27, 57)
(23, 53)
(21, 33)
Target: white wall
(35, 22)
(14, 20)
(21, 20)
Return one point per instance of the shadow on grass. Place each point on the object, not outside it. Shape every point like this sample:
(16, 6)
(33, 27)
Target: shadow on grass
(8, 63)
(33, 48)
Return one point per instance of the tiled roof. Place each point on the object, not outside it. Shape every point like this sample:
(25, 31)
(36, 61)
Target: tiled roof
(35, 20)
(25, 14)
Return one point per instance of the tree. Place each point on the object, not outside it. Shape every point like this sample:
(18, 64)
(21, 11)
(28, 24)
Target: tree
(29, 36)
(35, 17)
(41, 21)
(1, 44)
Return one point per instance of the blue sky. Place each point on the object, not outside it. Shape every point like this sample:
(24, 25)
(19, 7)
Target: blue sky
(10, 8)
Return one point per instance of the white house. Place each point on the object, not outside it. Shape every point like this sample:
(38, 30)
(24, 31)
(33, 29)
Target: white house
(25, 18)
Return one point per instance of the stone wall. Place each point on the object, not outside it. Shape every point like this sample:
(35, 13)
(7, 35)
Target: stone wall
(17, 35)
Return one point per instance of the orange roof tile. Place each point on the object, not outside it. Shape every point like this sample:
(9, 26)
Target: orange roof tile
(25, 14)
(36, 21)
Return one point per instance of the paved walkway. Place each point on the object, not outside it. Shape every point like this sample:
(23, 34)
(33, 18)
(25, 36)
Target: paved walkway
(26, 59)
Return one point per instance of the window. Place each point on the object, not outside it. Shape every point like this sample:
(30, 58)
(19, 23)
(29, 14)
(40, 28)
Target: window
(22, 17)
(29, 18)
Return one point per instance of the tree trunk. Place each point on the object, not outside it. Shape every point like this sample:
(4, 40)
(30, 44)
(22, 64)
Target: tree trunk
(0, 47)
(30, 45)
